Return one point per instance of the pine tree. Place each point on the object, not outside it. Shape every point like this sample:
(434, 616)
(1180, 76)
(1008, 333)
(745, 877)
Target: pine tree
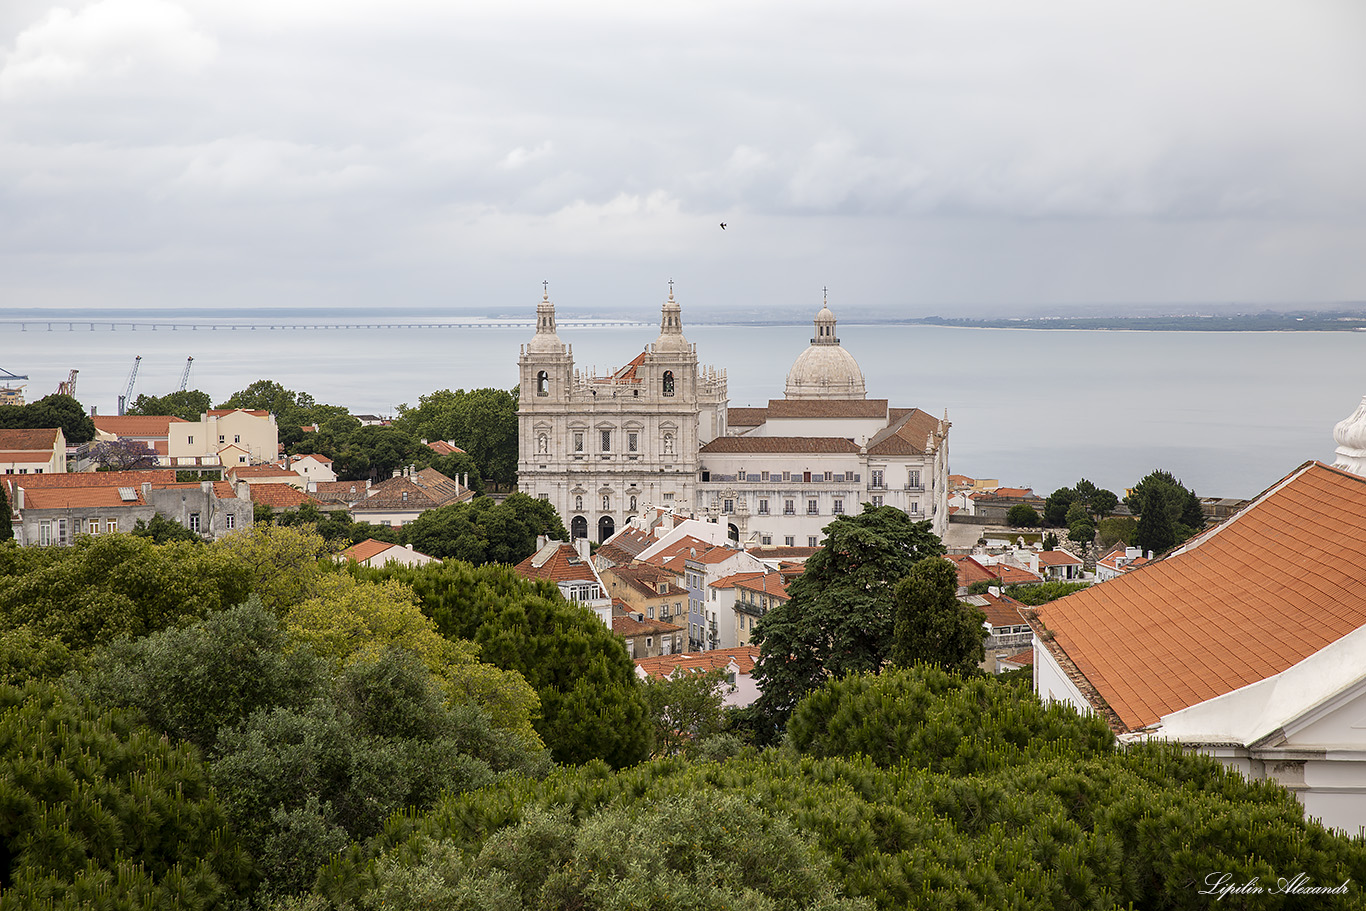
(1155, 531)
(6, 525)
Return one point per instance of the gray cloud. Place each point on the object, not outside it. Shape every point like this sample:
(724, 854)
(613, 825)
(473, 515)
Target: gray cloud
(991, 153)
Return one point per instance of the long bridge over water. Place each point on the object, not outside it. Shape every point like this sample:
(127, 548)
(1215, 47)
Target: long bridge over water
(104, 325)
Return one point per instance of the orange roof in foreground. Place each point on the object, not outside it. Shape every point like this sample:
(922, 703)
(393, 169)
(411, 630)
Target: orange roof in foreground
(79, 498)
(280, 496)
(157, 476)
(364, 550)
(1244, 601)
(717, 659)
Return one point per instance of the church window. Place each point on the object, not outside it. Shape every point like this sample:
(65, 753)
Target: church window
(632, 441)
(578, 441)
(790, 540)
(543, 383)
(728, 507)
(789, 507)
(838, 508)
(668, 444)
(763, 507)
(578, 503)
(606, 441)
(543, 443)
(810, 507)
(669, 497)
(668, 382)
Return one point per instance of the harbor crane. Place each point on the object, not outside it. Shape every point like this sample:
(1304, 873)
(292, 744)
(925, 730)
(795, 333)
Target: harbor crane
(11, 395)
(68, 386)
(127, 398)
(185, 377)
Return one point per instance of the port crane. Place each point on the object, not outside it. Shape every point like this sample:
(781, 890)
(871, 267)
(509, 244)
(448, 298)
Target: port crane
(11, 395)
(68, 385)
(185, 377)
(127, 398)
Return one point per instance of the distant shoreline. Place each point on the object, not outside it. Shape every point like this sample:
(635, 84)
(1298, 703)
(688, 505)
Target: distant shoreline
(125, 320)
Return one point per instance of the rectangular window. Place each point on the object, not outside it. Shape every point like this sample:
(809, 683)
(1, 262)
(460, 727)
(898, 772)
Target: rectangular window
(838, 508)
(812, 541)
(651, 613)
(763, 507)
(230, 521)
(913, 478)
(649, 642)
(75, 527)
(632, 442)
(789, 507)
(237, 437)
(93, 525)
(790, 540)
(806, 477)
(810, 507)
(728, 507)
(766, 540)
(578, 441)
(877, 478)
(190, 440)
(828, 475)
(877, 501)
(111, 526)
(221, 438)
(787, 475)
(915, 509)
(44, 533)
(763, 476)
(607, 441)
(61, 531)
(194, 522)
(668, 497)
(386, 523)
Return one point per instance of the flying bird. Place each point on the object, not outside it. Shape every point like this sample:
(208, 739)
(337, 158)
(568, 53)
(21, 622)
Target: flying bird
(723, 226)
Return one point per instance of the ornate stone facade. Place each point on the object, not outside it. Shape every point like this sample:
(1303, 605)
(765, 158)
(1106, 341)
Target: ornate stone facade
(600, 448)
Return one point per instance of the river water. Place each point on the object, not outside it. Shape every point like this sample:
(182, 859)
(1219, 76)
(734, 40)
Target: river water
(1227, 412)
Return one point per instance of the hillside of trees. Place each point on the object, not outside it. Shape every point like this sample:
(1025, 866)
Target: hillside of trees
(248, 725)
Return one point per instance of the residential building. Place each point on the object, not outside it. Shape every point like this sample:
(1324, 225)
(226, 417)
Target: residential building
(407, 495)
(645, 638)
(1247, 642)
(1118, 560)
(735, 664)
(1008, 632)
(647, 590)
(41, 451)
(313, 468)
(381, 553)
(568, 566)
(254, 434)
(755, 595)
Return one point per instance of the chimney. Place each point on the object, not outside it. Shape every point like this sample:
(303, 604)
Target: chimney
(541, 541)
(19, 498)
(583, 547)
(146, 489)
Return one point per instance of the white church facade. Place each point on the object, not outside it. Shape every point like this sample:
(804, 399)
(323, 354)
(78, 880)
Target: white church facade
(659, 432)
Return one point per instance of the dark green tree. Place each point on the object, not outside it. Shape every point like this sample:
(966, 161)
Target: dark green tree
(685, 709)
(186, 404)
(51, 411)
(162, 530)
(1050, 541)
(1117, 528)
(483, 531)
(1155, 527)
(932, 626)
(6, 522)
(376, 452)
(1022, 515)
(591, 701)
(1183, 506)
(840, 616)
(1056, 506)
(483, 422)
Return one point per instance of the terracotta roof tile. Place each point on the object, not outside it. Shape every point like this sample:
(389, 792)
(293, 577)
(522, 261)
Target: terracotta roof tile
(827, 408)
(441, 447)
(1058, 558)
(156, 476)
(364, 550)
(770, 584)
(136, 425)
(744, 657)
(35, 440)
(629, 627)
(31, 456)
(1241, 602)
(780, 445)
(558, 562)
(280, 496)
(682, 547)
(969, 570)
(262, 472)
(79, 498)
(746, 417)
(340, 491)
(650, 581)
(905, 437)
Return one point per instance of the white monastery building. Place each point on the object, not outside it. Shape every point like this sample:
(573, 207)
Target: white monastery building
(659, 432)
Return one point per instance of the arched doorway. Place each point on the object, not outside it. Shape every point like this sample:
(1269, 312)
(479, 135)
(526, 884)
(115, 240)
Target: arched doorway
(605, 528)
(732, 532)
(578, 527)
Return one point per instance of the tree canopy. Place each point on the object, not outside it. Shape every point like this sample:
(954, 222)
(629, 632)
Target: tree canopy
(932, 626)
(1184, 515)
(840, 616)
(483, 422)
(186, 404)
(51, 411)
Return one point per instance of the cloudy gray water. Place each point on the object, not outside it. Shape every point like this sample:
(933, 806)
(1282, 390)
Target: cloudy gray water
(1229, 413)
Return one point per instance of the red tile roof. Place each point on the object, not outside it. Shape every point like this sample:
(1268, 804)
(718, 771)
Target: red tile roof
(136, 425)
(340, 491)
(280, 496)
(157, 476)
(827, 408)
(558, 562)
(744, 657)
(36, 440)
(969, 570)
(746, 417)
(735, 579)
(905, 437)
(650, 581)
(1238, 603)
(365, 550)
(683, 545)
(441, 447)
(30, 456)
(1058, 558)
(629, 627)
(220, 412)
(79, 498)
(770, 584)
(780, 445)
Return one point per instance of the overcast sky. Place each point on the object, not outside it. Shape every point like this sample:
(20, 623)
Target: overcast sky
(953, 157)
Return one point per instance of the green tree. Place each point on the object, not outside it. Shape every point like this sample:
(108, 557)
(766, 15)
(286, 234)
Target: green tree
(932, 626)
(484, 531)
(591, 701)
(483, 422)
(1022, 515)
(96, 805)
(1182, 505)
(376, 453)
(51, 411)
(1043, 592)
(840, 615)
(1117, 528)
(685, 709)
(163, 530)
(1155, 527)
(6, 522)
(280, 564)
(1050, 541)
(1056, 506)
(186, 404)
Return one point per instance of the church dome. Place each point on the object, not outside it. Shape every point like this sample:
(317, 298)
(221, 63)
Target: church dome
(671, 339)
(546, 340)
(1350, 435)
(825, 370)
